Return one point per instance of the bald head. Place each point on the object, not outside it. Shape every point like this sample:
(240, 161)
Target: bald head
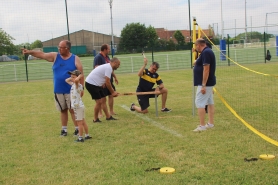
(200, 44)
(200, 41)
(115, 63)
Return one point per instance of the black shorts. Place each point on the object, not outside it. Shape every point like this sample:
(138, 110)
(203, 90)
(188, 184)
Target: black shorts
(107, 92)
(143, 100)
(95, 91)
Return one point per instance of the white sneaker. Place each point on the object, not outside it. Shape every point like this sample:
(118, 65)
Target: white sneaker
(200, 128)
(209, 125)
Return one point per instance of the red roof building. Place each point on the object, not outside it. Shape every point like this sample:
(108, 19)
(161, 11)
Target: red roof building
(169, 34)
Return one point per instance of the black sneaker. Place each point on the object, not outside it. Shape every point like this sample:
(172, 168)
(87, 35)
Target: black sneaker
(166, 110)
(75, 132)
(63, 133)
(96, 121)
(80, 140)
(132, 109)
(88, 137)
(111, 118)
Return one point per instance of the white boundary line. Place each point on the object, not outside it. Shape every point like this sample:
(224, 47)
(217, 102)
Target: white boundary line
(155, 123)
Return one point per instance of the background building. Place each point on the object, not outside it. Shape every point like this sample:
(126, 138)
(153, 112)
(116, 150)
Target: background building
(83, 42)
(169, 34)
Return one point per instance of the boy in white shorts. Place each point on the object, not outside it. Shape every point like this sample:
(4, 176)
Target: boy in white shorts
(77, 104)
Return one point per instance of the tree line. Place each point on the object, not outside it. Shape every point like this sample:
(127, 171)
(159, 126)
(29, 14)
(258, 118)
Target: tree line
(135, 37)
(8, 48)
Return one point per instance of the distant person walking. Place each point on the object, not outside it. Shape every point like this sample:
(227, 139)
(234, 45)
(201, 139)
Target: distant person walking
(205, 80)
(95, 81)
(63, 61)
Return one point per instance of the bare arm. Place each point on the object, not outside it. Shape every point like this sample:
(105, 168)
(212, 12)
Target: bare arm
(109, 87)
(205, 74)
(161, 86)
(76, 81)
(115, 78)
(68, 80)
(50, 57)
(140, 72)
(79, 67)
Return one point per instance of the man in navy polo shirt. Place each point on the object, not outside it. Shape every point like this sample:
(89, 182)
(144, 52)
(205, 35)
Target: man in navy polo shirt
(204, 79)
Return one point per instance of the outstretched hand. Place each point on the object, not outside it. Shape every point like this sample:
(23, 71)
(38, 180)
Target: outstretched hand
(24, 51)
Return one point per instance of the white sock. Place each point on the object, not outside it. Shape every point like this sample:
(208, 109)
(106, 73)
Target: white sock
(210, 124)
(64, 128)
(80, 137)
(86, 135)
(76, 128)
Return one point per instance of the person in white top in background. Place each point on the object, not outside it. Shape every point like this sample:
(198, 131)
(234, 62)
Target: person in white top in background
(77, 104)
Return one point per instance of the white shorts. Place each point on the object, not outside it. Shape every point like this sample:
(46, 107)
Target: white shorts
(79, 113)
(62, 101)
(204, 99)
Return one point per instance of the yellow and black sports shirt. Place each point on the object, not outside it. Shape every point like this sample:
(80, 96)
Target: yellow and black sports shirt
(147, 81)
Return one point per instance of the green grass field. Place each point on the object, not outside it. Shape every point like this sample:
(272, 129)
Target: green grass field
(32, 152)
(40, 69)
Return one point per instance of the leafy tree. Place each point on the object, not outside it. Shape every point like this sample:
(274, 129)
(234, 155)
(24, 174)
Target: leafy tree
(179, 37)
(151, 35)
(215, 41)
(171, 45)
(161, 43)
(17, 50)
(36, 44)
(254, 35)
(135, 36)
(6, 44)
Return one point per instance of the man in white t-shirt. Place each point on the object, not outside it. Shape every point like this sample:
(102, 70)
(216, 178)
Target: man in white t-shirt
(96, 80)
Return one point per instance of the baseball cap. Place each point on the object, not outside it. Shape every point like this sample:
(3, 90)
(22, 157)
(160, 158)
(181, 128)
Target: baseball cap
(75, 72)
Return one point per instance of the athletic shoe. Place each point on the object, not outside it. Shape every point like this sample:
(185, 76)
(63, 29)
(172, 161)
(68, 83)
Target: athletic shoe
(200, 128)
(63, 133)
(75, 132)
(208, 125)
(88, 137)
(80, 140)
(131, 107)
(97, 121)
(166, 110)
(111, 118)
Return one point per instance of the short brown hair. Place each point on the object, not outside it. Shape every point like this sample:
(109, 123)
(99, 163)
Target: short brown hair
(156, 64)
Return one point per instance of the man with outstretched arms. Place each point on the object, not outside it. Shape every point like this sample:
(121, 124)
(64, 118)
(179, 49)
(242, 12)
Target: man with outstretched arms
(63, 61)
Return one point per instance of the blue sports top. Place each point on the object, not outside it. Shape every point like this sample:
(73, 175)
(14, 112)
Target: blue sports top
(100, 60)
(60, 69)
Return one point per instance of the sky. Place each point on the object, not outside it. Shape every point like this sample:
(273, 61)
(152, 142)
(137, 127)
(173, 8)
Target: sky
(30, 20)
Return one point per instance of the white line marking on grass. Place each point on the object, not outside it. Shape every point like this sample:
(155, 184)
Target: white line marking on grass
(155, 123)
